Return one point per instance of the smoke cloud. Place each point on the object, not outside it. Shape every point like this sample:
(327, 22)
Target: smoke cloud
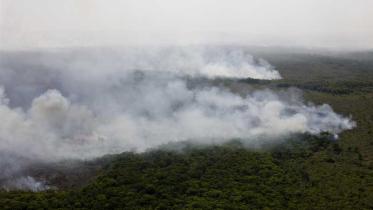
(22, 183)
(71, 102)
(85, 104)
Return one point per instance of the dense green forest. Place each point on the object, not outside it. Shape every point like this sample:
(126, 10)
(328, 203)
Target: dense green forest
(301, 172)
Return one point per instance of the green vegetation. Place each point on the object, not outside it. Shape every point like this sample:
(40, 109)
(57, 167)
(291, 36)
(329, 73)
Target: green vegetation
(307, 173)
(302, 172)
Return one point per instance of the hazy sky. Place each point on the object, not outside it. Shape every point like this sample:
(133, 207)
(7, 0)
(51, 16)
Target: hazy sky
(67, 23)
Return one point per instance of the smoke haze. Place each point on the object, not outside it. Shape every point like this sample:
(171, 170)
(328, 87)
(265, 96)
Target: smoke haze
(342, 24)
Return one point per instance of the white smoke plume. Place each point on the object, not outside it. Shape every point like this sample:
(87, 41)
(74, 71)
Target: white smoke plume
(197, 61)
(25, 183)
(75, 105)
